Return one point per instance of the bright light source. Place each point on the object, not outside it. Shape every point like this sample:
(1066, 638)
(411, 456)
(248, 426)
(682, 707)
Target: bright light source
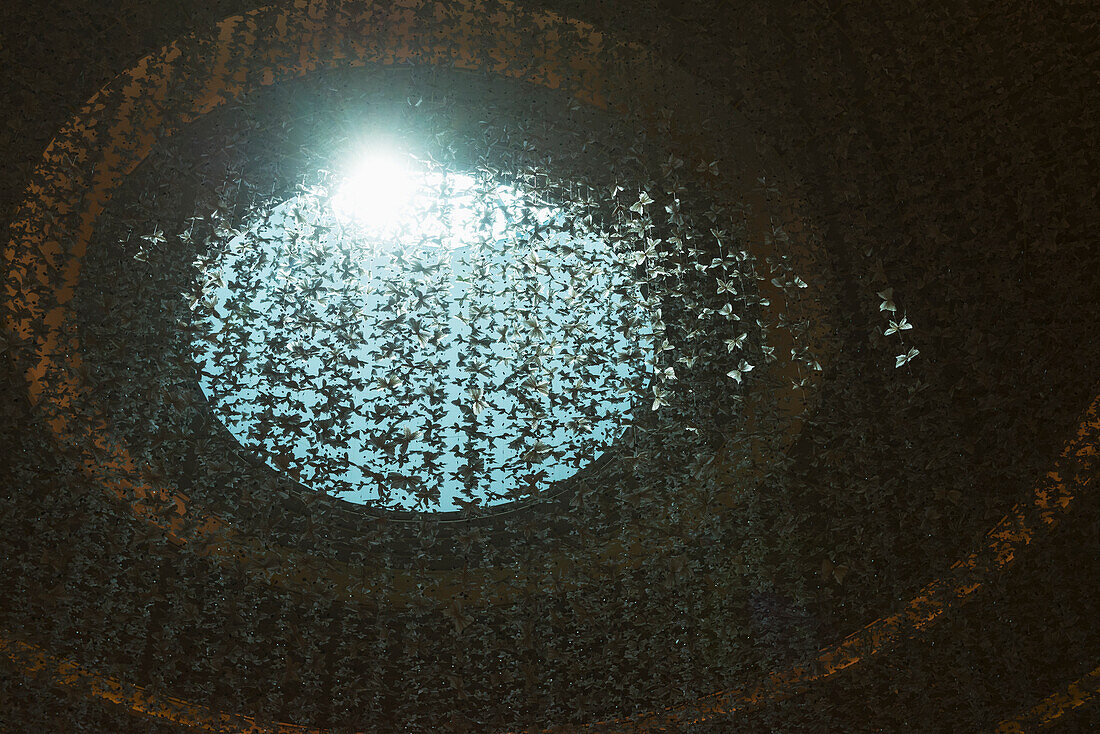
(377, 192)
(475, 267)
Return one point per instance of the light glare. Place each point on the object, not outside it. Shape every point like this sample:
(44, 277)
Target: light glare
(377, 192)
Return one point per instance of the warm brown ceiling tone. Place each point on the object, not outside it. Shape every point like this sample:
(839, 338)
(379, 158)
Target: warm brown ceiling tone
(947, 154)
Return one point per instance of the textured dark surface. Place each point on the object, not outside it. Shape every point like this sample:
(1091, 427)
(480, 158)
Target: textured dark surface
(949, 154)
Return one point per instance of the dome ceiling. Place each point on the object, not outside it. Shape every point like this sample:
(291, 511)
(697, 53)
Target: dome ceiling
(433, 367)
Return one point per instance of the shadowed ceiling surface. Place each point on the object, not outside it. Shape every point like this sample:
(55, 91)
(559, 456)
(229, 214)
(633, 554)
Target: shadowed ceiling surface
(945, 158)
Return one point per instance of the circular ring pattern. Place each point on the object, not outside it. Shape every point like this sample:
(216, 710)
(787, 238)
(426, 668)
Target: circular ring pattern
(46, 250)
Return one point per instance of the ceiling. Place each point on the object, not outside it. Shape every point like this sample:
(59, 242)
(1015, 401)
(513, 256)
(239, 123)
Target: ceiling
(945, 155)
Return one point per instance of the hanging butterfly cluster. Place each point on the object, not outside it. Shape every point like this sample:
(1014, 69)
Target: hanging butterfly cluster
(482, 342)
(472, 341)
(462, 319)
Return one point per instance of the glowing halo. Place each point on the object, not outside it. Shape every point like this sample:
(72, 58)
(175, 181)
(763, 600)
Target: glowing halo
(376, 190)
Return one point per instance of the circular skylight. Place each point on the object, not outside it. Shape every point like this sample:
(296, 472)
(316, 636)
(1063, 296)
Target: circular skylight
(414, 338)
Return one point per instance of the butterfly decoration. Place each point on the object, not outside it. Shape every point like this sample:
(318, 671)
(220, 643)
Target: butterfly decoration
(896, 326)
(639, 206)
(661, 397)
(740, 371)
(710, 168)
(726, 286)
(903, 359)
(737, 342)
(887, 297)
